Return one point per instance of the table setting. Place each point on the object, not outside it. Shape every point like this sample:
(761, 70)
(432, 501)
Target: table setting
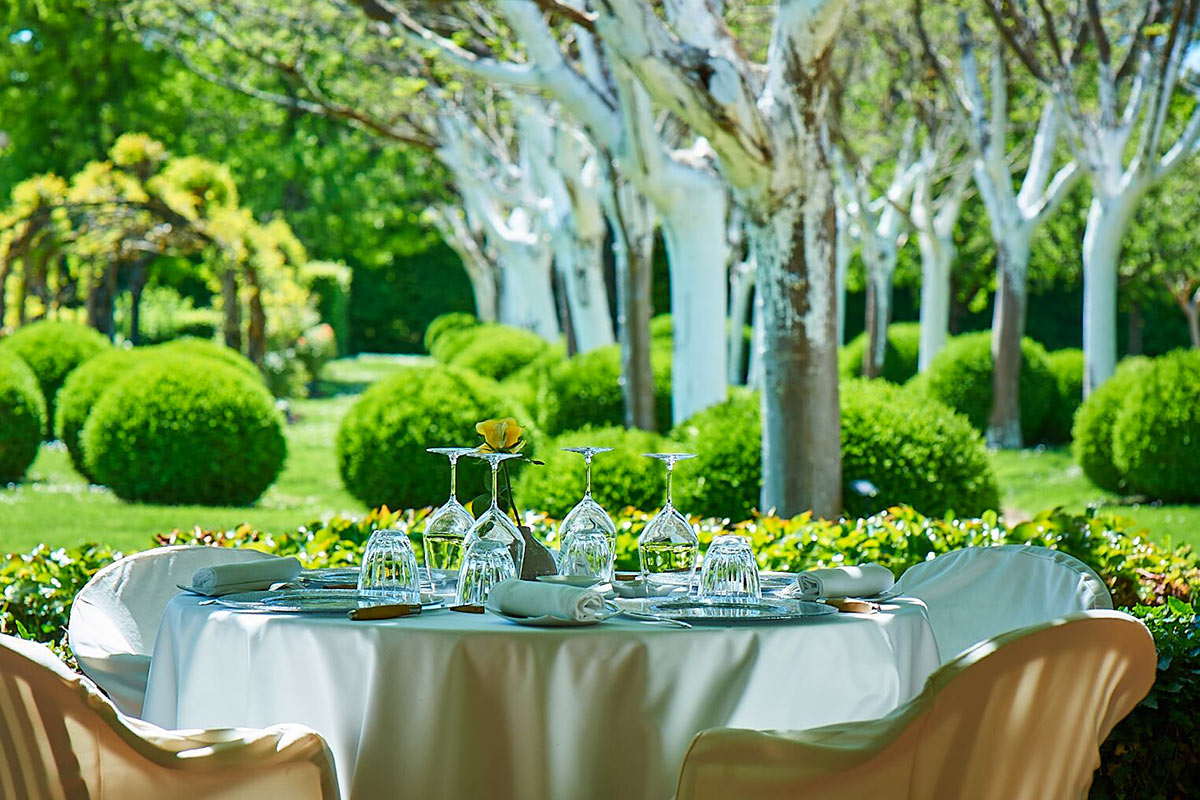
(555, 678)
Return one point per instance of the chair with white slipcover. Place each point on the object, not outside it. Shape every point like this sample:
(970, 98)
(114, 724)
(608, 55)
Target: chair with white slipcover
(1018, 717)
(61, 739)
(976, 593)
(115, 617)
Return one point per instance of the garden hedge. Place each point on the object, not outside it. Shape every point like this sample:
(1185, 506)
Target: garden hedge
(899, 359)
(185, 430)
(80, 392)
(328, 283)
(623, 477)
(205, 348)
(382, 439)
(896, 450)
(961, 377)
(585, 390)
(22, 417)
(525, 385)
(1156, 432)
(52, 349)
(1067, 366)
(442, 329)
(1093, 429)
(497, 351)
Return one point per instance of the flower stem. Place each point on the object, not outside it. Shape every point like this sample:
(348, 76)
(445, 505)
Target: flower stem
(512, 501)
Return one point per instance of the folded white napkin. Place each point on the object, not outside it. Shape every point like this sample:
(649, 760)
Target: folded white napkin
(246, 576)
(535, 599)
(865, 580)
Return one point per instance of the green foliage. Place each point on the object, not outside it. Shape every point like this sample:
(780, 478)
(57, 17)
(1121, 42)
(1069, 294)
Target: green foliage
(525, 385)
(1093, 429)
(185, 430)
(725, 478)
(1153, 752)
(166, 315)
(899, 358)
(444, 324)
(80, 392)
(1156, 433)
(22, 417)
(382, 439)
(662, 328)
(316, 347)
(329, 285)
(187, 346)
(585, 390)
(497, 351)
(1067, 366)
(284, 374)
(621, 478)
(52, 349)
(961, 377)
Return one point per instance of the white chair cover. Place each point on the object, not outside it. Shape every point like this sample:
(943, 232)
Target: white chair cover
(1020, 717)
(115, 617)
(61, 739)
(976, 593)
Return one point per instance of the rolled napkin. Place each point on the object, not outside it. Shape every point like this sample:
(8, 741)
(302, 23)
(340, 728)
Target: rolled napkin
(246, 576)
(535, 599)
(865, 580)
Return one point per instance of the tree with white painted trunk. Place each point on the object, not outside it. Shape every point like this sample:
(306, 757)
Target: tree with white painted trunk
(1118, 76)
(764, 122)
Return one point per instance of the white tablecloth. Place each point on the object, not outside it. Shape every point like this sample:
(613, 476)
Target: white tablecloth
(457, 706)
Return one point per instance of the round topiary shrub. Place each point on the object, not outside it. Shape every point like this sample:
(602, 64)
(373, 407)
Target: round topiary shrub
(1093, 428)
(903, 449)
(80, 392)
(624, 477)
(22, 417)
(381, 442)
(1156, 433)
(899, 359)
(961, 377)
(205, 348)
(443, 325)
(185, 430)
(1067, 366)
(585, 390)
(525, 384)
(52, 349)
(497, 351)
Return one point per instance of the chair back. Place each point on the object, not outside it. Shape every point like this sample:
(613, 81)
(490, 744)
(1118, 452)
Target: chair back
(977, 593)
(115, 617)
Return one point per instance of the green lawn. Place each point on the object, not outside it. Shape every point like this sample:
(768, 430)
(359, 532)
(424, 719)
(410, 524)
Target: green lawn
(1034, 480)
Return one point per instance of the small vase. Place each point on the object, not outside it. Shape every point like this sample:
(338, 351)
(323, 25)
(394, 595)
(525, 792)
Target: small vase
(538, 558)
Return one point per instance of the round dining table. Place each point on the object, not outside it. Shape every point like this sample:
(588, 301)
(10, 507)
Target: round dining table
(448, 706)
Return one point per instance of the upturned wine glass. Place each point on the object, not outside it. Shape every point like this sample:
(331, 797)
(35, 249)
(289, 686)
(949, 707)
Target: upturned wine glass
(446, 528)
(668, 547)
(494, 525)
(730, 573)
(588, 515)
(389, 568)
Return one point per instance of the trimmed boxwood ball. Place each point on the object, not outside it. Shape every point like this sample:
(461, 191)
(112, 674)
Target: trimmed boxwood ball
(624, 477)
(80, 392)
(446, 323)
(185, 430)
(1093, 429)
(1156, 433)
(961, 377)
(585, 390)
(206, 348)
(497, 351)
(525, 384)
(22, 417)
(899, 358)
(912, 451)
(52, 349)
(382, 439)
(1067, 366)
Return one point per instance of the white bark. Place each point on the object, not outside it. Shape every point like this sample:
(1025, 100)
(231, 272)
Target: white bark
(469, 245)
(843, 251)
(1107, 222)
(741, 292)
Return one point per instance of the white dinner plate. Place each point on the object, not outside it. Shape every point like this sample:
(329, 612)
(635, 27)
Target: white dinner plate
(312, 601)
(610, 611)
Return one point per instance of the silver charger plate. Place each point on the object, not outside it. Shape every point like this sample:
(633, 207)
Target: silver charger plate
(776, 582)
(312, 601)
(710, 612)
(610, 611)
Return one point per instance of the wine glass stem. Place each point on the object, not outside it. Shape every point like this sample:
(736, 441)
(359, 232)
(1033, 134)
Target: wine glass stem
(670, 472)
(495, 469)
(587, 473)
(453, 479)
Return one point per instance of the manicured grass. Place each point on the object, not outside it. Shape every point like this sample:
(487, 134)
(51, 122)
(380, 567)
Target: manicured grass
(55, 505)
(1034, 480)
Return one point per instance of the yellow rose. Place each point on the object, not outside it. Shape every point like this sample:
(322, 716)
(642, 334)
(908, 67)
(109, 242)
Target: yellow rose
(500, 435)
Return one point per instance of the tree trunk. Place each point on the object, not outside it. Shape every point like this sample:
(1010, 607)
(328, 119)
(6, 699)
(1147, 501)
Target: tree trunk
(1008, 326)
(741, 291)
(137, 283)
(580, 266)
(937, 256)
(100, 300)
(1192, 312)
(632, 225)
(794, 251)
(879, 309)
(758, 344)
(526, 293)
(843, 250)
(5, 268)
(233, 310)
(256, 332)
(1107, 220)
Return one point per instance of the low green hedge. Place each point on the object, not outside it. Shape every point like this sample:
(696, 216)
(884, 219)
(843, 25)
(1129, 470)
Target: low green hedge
(1067, 366)
(441, 335)
(52, 349)
(586, 390)
(1093, 429)
(185, 430)
(497, 351)
(206, 348)
(22, 417)
(899, 359)
(80, 392)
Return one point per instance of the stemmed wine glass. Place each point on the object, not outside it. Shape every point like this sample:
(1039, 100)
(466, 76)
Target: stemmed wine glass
(494, 525)
(588, 515)
(668, 547)
(447, 527)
